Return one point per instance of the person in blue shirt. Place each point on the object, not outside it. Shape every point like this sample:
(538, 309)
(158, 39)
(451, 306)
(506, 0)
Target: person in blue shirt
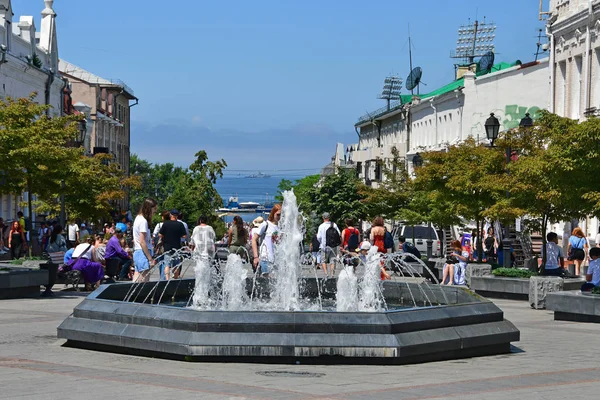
(593, 273)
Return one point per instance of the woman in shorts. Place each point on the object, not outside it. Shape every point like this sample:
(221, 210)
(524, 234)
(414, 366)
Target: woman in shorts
(142, 241)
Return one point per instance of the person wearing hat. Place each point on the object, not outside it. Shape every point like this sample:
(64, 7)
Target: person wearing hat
(115, 251)
(329, 251)
(171, 233)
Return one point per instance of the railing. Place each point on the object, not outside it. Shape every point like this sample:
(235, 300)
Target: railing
(379, 112)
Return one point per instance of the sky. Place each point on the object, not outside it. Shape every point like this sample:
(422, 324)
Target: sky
(268, 84)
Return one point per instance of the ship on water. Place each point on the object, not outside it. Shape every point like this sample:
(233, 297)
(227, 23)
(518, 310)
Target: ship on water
(258, 175)
(234, 206)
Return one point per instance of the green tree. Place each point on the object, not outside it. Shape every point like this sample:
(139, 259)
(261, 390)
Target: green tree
(38, 154)
(302, 188)
(554, 178)
(394, 192)
(194, 193)
(339, 195)
(468, 180)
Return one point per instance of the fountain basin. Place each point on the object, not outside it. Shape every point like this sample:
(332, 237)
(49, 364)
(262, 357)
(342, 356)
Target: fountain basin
(465, 326)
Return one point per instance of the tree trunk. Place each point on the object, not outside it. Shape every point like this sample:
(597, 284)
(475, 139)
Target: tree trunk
(544, 243)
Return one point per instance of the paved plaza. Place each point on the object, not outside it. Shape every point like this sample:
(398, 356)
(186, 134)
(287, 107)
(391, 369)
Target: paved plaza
(553, 360)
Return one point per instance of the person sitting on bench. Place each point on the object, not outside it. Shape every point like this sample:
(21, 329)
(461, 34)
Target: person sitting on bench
(593, 273)
(555, 259)
(115, 251)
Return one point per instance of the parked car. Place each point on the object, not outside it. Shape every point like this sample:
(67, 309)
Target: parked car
(421, 235)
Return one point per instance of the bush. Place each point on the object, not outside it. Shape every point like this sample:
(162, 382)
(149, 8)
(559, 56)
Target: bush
(596, 290)
(513, 273)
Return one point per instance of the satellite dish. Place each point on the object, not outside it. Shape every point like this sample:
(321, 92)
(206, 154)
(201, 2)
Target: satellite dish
(486, 62)
(414, 78)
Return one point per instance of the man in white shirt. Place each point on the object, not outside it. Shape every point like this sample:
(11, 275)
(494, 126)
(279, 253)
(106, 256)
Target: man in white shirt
(329, 251)
(73, 234)
(555, 259)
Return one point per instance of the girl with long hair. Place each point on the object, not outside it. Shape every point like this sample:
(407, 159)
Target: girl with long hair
(377, 236)
(142, 241)
(268, 234)
(57, 240)
(237, 236)
(16, 240)
(577, 249)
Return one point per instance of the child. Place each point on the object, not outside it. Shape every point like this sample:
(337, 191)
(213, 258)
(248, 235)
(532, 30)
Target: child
(593, 274)
(555, 260)
(362, 254)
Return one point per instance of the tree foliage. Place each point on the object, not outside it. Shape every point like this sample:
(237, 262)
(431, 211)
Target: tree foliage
(40, 153)
(393, 194)
(553, 176)
(189, 190)
(339, 195)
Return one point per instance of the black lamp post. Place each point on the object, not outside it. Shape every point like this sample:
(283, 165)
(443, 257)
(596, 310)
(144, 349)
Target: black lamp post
(417, 160)
(82, 126)
(492, 129)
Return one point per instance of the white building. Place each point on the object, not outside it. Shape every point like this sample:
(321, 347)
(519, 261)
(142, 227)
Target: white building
(449, 114)
(28, 63)
(573, 27)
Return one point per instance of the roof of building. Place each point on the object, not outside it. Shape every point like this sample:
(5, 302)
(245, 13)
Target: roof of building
(450, 87)
(73, 70)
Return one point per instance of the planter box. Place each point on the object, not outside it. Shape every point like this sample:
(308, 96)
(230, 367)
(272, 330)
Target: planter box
(541, 286)
(501, 287)
(533, 289)
(474, 269)
(574, 306)
(20, 282)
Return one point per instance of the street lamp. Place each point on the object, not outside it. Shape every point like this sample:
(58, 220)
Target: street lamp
(82, 126)
(526, 122)
(492, 128)
(82, 132)
(417, 160)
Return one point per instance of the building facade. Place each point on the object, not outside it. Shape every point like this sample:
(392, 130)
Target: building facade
(108, 105)
(573, 27)
(449, 115)
(29, 63)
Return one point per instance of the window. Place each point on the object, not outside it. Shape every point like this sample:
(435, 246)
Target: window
(421, 232)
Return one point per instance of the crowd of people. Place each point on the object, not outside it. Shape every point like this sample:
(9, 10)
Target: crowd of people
(133, 248)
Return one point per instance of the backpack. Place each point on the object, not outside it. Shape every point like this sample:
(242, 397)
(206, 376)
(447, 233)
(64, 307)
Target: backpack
(332, 236)
(353, 241)
(410, 248)
(315, 243)
(388, 240)
(262, 236)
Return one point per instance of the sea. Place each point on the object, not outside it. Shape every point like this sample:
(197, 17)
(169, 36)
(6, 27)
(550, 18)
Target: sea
(260, 190)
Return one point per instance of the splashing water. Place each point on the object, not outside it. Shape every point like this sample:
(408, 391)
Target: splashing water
(369, 296)
(288, 269)
(234, 296)
(203, 294)
(347, 290)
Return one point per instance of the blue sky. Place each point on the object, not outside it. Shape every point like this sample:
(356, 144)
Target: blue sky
(268, 84)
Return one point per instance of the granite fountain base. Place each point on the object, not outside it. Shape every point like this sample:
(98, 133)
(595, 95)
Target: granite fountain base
(457, 325)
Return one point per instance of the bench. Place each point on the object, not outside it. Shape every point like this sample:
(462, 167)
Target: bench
(55, 261)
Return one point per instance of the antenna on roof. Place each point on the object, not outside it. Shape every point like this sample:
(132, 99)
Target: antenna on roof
(414, 77)
(391, 89)
(474, 40)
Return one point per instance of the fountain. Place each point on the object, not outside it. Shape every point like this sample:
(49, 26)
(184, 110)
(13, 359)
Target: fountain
(231, 314)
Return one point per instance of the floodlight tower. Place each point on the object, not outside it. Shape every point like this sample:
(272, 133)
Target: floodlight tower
(391, 89)
(474, 40)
